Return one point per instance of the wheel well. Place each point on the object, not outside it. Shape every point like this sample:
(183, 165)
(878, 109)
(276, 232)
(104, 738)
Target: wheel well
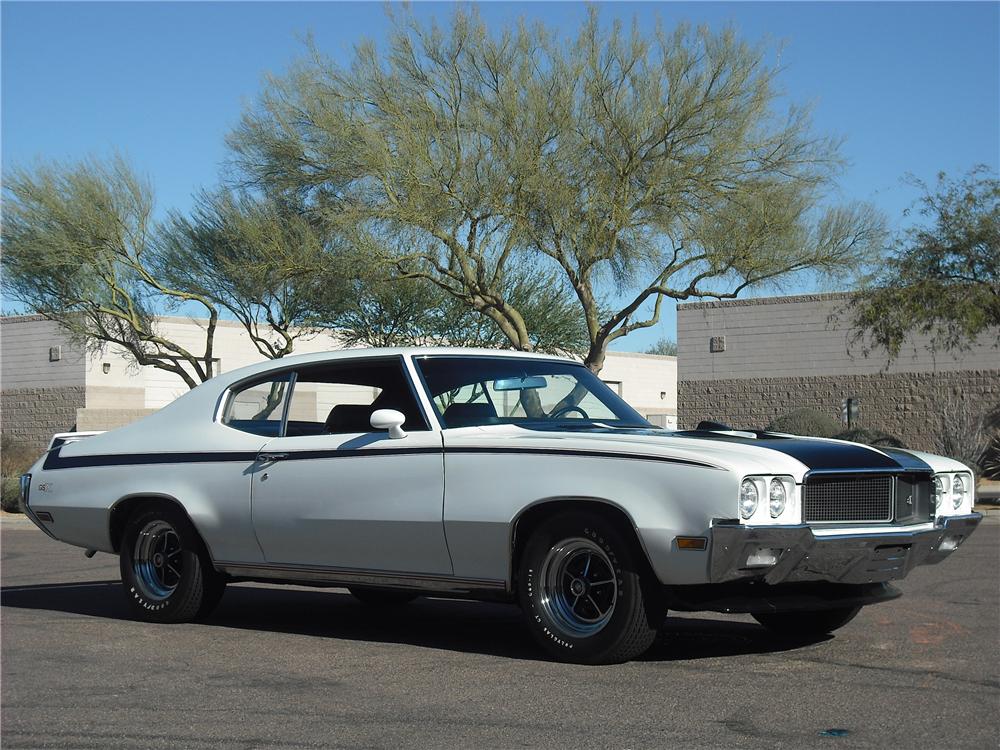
(123, 510)
(534, 516)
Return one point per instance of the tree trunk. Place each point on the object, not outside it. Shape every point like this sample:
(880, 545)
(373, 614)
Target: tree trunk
(594, 360)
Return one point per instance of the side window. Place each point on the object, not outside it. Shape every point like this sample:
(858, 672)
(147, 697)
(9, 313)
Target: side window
(258, 408)
(340, 398)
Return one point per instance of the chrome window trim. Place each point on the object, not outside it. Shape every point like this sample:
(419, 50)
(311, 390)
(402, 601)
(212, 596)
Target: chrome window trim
(292, 371)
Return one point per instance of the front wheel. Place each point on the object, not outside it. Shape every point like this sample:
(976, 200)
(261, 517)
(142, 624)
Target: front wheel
(165, 570)
(585, 591)
(819, 622)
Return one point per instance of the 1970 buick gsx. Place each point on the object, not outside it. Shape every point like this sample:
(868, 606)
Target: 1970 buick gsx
(489, 475)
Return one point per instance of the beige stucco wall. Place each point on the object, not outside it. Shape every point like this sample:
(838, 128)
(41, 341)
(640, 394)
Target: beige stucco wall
(648, 383)
(81, 393)
(24, 355)
(799, 336)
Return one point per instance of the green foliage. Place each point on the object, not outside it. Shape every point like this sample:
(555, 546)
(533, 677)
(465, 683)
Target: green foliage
(10, 494)
(807, 422)
(943, 278)
(78, 248)
(415, 312)
(264, 260)
(644, 165)
(664, 347)
(81, 248)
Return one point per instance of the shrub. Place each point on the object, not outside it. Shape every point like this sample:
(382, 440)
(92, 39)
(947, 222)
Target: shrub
(991, 459)
(10, 494)
(871, 437)
(807, 422)
(15, 459)
(964, 430)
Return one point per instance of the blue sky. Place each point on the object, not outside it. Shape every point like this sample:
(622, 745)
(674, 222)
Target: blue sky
(912, 87)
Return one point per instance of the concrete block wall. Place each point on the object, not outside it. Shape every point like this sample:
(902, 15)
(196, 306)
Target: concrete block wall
(785, 353)
(31, 416)
(905, 405)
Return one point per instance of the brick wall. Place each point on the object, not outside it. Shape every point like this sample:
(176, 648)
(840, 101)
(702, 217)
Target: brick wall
(32, 415)
(906, 405)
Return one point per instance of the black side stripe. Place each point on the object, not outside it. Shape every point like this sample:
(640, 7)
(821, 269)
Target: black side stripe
(586, 454)
(55, 461)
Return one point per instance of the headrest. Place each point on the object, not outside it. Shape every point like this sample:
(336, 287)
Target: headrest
(469, 415)
(349, 418)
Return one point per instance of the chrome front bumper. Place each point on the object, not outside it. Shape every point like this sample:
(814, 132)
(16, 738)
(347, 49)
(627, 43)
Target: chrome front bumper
(779, 554)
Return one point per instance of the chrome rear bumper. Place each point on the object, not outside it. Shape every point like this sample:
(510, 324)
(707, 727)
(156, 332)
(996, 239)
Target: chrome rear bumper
(779, 554)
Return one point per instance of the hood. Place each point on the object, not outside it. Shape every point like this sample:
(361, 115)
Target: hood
(749, 453)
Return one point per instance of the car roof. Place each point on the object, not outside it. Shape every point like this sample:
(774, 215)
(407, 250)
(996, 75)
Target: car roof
(260, 368)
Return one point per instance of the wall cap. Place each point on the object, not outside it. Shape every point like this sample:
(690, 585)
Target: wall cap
(790, 299)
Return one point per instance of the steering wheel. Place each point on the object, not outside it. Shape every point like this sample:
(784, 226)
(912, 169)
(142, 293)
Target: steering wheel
(566, 410)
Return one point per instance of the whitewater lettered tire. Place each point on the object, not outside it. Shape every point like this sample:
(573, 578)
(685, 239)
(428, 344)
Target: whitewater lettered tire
(165, 569)
(586, 591)
(818, 622)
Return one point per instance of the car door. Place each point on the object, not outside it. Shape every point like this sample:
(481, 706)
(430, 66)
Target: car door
(332, 492)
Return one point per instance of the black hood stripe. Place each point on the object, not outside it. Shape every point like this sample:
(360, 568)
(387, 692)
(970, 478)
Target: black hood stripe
(823, 455)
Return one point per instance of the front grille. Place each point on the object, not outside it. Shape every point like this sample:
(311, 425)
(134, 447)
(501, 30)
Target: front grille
(851, 499)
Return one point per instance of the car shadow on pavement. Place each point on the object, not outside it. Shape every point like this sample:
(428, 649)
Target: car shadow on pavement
(454, 625)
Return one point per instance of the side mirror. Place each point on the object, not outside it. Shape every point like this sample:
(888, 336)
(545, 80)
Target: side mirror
(391, 420)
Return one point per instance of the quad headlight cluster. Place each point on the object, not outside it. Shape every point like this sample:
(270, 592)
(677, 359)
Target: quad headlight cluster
(778, 490)
(951, 491)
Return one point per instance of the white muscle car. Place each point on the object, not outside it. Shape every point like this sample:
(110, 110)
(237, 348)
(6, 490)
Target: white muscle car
(493, 475)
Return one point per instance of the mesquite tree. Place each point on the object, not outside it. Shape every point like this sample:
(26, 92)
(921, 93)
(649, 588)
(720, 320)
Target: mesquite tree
(639, 166)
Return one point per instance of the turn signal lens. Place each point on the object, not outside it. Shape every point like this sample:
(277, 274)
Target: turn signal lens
(691, 542)
(777, 497)
(748, 498)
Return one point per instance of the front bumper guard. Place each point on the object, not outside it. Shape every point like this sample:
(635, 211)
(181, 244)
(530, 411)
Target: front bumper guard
(739, 552)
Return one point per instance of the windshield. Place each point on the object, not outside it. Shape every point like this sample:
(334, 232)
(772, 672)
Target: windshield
(475, 391)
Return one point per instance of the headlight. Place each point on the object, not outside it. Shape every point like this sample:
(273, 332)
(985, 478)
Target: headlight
(959, 491)
(778, 498)
(940, 488)
(748, 498)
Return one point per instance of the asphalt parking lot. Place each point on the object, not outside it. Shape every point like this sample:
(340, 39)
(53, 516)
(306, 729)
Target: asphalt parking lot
(281, 667)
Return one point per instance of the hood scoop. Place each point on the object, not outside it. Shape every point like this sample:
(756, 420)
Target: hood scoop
(723, 429)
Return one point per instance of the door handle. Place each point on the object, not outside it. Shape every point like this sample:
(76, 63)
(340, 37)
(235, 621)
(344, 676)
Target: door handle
(268, 457)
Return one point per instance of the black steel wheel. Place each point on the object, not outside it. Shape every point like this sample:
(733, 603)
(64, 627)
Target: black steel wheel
(587, 592)
(167, 574)
(818, 622)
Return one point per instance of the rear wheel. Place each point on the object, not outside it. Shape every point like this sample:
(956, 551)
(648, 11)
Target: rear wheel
(381, 597)
(165, 569)
(586, 592)
(819, 622)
